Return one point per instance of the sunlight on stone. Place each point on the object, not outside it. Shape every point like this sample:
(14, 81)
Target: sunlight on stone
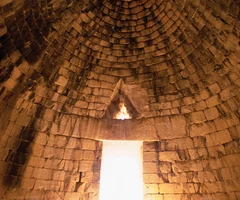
(121, 171)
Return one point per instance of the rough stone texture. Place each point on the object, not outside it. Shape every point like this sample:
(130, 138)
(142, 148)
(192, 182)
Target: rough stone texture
(57, 172)
(65, 65)
(189, 172)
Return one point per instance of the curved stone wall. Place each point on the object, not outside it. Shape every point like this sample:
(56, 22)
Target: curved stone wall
(64, 63)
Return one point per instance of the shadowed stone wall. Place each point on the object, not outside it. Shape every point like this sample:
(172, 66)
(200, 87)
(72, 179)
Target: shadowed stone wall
(65, 63)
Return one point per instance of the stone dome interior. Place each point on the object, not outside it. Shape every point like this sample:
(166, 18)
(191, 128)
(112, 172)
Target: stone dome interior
(65, 64)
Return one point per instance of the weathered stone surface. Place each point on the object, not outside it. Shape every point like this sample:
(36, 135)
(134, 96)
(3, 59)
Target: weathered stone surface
(151, 188)
(220, 137)
(145, 129)
(166, 188)
(169, 128)
(202, 129)
(169, 156)
(175, 64)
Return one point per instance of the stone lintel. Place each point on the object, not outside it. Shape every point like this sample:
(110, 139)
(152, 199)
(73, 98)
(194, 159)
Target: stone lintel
(150, 129)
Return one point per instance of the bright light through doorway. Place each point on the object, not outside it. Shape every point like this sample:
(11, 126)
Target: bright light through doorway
(123, 113)
(121, 171)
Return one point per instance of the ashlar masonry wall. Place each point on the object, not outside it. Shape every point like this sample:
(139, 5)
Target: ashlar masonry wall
(58, 168)
(183, 169)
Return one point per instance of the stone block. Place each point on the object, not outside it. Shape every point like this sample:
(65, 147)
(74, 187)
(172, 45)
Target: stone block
(88, 144)
(232, 120)
(81, 104)
(227, 174)
(151, 188)
(28, 172)
(213, 101)
(202, 129)
(78, 155)
(93, 188)
(200, 105)
(37, 150)
(172, 196)
(36, 161)
(211, 187)
(234, 131)
(182, 143)
(189, 100)
(62, 81)
(41, 138)
(169, 128)
(203, 153)
(68, 154)
(224, 196)
(23, 119)
(88, 155)
(41, 173)
(54, 164)
(86, 166)
(90, 176)
(204, 94)
(231, 160)
(199, 141)
(41, 125)
(165, 167)
(174, 111)
(231, 185)
(187, 166)
(220, 124)
(58, 175)
(151, 146)
(189, 188)
(60, 141)
(193, 153)
(176, 178)
(50, 141)
(72, 195)
(54, 129)
(58, 153)
(49, 152)
(49, 114)
(150, 167)
(215, 163)
(207, 176)
(27, 183)
(71, 166)
(42, 185)
(216, 151)
(170, 188)
(214, 88)
(154, 178)
(211, 113)
(72, 143)
(232, 147)
(220, 137)
(197, 117)
(150, 156)
(169, 156)
(227, 93)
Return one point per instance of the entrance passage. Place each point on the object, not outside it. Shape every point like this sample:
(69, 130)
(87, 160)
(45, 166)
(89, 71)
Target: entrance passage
(121, 171)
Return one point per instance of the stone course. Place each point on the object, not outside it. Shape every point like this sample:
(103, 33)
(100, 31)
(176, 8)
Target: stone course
(65, 66)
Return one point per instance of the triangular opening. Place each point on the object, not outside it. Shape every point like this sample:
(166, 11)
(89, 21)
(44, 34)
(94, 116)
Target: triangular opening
(121, 106)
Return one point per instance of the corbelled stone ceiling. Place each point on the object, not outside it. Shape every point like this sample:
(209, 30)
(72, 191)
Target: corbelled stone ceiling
(65, 65)
(68, 56)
